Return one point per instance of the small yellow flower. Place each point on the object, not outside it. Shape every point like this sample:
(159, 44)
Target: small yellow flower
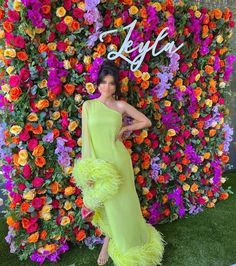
(197, 77)
(87, 60)
(137, 73)
(52, 46)
(43, 83)
(81, 5)
(29, 195)
(73, 125)
(171, 132)
(56, 103)
(32, 117)
(78, 98)
(208, 102)
(61, 12)
(10, 52)
(219, 39)
(67, 64)
(17, 5)
(133, 10)
(22, 161)
(68, 205)
(194, 168)
(68, 20)
(49, 124)
(65, 220)
(194, 131)
(167, 103)
(56, 115)
(186, 187)
(46, 208)
(5, 88)
(145, 76)
(90, 87)
(23, 154)
(10, 70)
(197, 14)
(136, 170)
(15, 129)
(157, 6)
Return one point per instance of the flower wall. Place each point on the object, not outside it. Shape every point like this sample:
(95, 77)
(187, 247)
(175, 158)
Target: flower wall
(50, 55)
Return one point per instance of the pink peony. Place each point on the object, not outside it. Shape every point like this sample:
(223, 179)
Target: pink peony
(24, 135)
(26, 171)
(32, 143)
(14, 81)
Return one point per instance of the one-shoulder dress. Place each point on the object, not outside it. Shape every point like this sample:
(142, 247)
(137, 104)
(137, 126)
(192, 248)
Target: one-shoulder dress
(133, 241)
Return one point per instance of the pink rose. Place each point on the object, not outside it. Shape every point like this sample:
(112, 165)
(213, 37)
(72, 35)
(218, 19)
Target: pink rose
(51, 37)
(21, 186)
(61, 46)
(37, 203)
(32, 143)
(55, 203)
(24, 135)
(19, 41)
(78, 13)
(155, 144)
(61, 27)
(32, 228)
(67, 4)
(183, 67)
(37, 181)
(14, 81)
(26, 171)
(24, 74)
(79, 68)
(85, 212)
(13, 15)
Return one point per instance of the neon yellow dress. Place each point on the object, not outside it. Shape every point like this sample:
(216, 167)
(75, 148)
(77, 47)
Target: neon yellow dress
(113, 198)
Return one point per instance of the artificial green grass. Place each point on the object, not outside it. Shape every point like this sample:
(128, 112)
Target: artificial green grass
(206, 239)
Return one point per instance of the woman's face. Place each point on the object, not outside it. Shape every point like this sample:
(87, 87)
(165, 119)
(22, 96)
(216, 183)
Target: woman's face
(107, 86)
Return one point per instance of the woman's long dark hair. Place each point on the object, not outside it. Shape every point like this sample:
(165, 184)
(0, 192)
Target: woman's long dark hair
(109, 68)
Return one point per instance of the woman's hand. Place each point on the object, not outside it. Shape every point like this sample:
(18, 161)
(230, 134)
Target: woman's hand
(121, 134)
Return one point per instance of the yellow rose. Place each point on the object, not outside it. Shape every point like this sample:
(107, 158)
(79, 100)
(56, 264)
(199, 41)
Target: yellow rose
(167, 103)
(112, 47)
(49, 124)
(22, 161)
(171, 132)
(29, 195)
(10, 70)
(144, 134)
(65, 220)
(43, 83)
(17, 5)
(133, 10)
(90, 87)
(46, 216)
(15, 129)
(186, 187)
(68, 169)
(205, 198)
(68, 205)
(136, 170)
(68, 20)
(10, 52)
(5, 88)
(67, 64)
(197, 77)
(56, 115)
(46, 208)
(210, 205)
(2, 34)
(81, 5)
(79, 142)
(52, 46)
(137, 73)
(163, 165)
(73, 125)
(157, 6)
(219, 39)
(78, 98)
(208, 102)
(145, 190)
(194, 131)
(39, 30)
(87, 60)
(60, 12)
(197, 14)
(56, 103)
(69, 191)
(194, 168)
(23, 154)
(32, 117)
(145, 76)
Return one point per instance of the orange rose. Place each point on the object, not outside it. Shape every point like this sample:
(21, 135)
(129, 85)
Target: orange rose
(38, 151)
(33, 238)
(194, 187)
(37, 130)
(75, 25)
(224, 196)
(22, 55)
(7, 26)
(217, 13)
(42, 48)
(25, 222)
(143, 12)
(79, 202)
(24, 206)
(127, 2)
(15, 93)
(43, 235)
(161, 179)
(118, 22)
(56, 132)
(41, 104)
(10, 220)
(81, 235)
(182, 177)
(145, 85)
(226, 14)
(164, 198)
(69, 88)
(209, 69)
(46, 9)
(69, 191)
(212, 132)
(40, 161)
(2, 13)
(54, 187)
(224, 158)
(101, 48)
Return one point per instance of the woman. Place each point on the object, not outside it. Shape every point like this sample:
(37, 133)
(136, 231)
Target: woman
(129, 241)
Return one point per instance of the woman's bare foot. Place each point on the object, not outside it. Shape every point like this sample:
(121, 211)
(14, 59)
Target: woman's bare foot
(103, 256)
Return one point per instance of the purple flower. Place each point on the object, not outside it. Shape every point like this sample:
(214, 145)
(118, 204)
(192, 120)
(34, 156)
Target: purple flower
(48, 137)
(192, 155)
(228, 136)
(91, 4)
